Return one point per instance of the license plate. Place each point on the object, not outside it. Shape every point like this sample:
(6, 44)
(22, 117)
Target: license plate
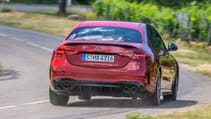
(97, 58)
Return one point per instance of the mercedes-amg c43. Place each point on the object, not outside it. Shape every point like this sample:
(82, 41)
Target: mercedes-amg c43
(112, 58)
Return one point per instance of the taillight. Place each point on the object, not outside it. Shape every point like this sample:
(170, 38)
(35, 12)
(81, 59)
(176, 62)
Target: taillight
(59, 57)
(69, 52)
(141, 55)
(64, 49)
(135, 55)
(58, 52)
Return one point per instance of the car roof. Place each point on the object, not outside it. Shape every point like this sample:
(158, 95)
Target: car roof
(131, 25)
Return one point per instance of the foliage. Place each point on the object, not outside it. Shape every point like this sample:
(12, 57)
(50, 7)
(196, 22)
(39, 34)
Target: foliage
(167, 20)
(35, 1)
(6, 10)
(173, 3)
(85, 2)
(91, 16)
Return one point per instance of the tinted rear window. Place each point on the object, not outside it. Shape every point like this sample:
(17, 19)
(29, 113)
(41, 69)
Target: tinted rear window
(100, 33)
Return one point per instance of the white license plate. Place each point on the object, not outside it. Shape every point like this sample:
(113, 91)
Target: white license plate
(97, 58)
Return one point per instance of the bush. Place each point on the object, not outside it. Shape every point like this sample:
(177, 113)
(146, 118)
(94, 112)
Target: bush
(165, 19)
(127, 11)
(91, 16)
(6, 10)
(35, 1)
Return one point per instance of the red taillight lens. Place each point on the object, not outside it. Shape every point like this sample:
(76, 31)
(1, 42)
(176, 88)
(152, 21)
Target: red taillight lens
(59, 57)
(135, 55)
(58, 53)
(70, 52)
(64, 49)
(141, 55)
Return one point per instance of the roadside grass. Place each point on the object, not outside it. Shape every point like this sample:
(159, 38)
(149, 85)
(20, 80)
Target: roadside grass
(55, 13)
(203, 112)
(47, 21)
(85, 15)
(55, 25)
(197, 58)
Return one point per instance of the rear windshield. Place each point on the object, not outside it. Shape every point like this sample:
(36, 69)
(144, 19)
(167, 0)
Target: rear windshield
(100, 33)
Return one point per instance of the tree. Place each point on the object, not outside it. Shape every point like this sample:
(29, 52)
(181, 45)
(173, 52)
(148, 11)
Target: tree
(62, 6)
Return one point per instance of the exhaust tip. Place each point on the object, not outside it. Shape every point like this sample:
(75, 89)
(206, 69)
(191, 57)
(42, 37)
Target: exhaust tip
(133, 89)
(126, 89)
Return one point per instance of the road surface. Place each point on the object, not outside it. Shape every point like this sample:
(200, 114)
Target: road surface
(24, 58)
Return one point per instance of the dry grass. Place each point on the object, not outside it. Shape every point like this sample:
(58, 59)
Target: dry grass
(199, 59)
(59, 26)
(203, 112)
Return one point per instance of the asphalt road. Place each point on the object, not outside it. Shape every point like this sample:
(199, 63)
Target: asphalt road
(32, 8)
(24, 57)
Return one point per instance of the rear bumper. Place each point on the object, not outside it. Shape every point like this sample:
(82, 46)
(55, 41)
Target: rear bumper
(66, 86)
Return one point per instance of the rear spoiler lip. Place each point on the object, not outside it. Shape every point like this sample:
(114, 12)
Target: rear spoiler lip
(135, 45)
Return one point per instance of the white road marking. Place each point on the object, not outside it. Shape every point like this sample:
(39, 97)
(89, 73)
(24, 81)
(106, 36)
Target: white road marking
(21, 40)
(47, 49)
(32, 44)
(36, 102)
(39, 46)
(3, 35)
(29, 103)
(6, 107)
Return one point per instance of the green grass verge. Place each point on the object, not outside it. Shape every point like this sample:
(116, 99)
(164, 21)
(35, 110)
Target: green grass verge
(203, 112)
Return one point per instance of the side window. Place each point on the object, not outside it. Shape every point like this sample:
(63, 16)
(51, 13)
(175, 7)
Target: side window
(161, 43)
(154, 39)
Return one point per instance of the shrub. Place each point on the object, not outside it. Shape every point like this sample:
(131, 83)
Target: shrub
(6, 10)
(91, 16)
(163, 18)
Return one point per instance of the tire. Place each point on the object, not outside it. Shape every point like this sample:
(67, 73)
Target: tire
(156, 96)
(84, 97)
(56, 99)
(173, 96)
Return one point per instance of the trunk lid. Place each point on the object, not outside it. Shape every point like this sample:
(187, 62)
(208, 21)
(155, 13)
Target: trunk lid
(100, 54)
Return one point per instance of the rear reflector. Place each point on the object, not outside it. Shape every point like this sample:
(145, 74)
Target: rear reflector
(60, 72)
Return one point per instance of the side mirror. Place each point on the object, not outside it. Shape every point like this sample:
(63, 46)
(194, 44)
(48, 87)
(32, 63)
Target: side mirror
(172, 47)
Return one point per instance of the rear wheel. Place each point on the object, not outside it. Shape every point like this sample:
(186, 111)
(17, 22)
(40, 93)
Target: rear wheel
(173, 96)
(156, 95)
(84, 97)
(56, 99)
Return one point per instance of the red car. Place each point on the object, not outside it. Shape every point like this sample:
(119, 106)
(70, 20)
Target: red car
(111, 58)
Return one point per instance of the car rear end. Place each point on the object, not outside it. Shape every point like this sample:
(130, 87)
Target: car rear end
(100, 60)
